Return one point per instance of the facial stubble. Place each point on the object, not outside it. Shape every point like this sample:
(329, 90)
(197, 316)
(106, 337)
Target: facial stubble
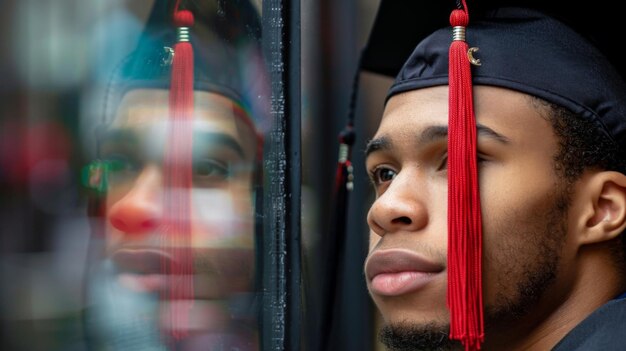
(535, 275)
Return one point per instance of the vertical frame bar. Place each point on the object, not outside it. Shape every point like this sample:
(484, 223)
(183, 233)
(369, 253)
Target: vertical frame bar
(281, 313)
(295, 146)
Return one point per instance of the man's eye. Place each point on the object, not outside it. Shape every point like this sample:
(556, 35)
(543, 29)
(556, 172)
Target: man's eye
(481, 158)
(444, 163)
(118, 163)
(120, 168)
(382, 174)
(210, 170)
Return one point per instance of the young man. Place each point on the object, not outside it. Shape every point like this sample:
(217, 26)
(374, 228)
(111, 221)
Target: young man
(178, 261)
(550, 117)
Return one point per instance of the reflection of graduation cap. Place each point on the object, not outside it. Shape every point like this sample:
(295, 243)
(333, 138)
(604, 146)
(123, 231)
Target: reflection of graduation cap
(225, 45)
(555, 50)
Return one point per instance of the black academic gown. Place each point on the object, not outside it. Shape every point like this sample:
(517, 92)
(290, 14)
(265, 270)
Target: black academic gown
(604, 329)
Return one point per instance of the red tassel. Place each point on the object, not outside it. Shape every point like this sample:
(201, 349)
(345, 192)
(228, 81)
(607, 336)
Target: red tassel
(178, 179)
(464, 216)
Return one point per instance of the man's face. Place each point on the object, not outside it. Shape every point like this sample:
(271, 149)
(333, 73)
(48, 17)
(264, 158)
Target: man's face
(522, 203)
(220, 210)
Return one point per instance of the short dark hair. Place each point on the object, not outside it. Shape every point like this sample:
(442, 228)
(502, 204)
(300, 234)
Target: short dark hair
(581, 146)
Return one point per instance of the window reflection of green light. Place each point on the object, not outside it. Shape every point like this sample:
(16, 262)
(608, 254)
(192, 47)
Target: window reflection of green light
(95, 175)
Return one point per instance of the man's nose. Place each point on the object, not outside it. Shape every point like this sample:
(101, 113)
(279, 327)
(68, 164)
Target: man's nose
(140, 209)
(401, 207)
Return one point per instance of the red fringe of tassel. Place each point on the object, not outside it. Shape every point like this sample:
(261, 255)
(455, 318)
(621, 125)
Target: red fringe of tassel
(178, 182)
(464, 297)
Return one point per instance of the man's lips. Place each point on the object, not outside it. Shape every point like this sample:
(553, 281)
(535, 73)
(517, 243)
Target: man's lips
(141, 270)
(396, 272)
(141, 261)
(216, 273)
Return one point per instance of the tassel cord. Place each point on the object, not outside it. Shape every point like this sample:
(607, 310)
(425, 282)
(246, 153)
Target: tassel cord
(464, 297)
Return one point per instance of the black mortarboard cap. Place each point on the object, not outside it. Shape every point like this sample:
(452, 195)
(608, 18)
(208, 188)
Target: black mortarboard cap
(576, 66)
(409, 22)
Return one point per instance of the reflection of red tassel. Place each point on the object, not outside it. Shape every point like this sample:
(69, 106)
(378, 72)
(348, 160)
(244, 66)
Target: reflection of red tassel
(464, 216)
(178, 178)
(344, 177)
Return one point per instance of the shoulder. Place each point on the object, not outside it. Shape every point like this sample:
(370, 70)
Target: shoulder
(602, 330)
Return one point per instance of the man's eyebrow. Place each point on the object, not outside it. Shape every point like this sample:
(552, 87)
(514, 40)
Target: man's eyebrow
(207, 139)
(434, 133)
(490, 133)
(382, 143)
(112, 135)
(201, 138)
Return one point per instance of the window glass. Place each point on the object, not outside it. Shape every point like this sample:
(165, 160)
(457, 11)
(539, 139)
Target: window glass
(129, 187)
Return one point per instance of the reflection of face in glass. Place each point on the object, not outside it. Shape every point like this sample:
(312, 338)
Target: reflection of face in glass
(221, 214)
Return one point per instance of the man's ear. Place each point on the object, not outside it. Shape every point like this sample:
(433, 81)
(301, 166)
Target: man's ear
(600, 202)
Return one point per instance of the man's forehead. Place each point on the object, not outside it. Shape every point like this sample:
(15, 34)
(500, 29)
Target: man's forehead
(434, 97)
(144, 107)
(425, 106)
(506, 111)
(432, 104)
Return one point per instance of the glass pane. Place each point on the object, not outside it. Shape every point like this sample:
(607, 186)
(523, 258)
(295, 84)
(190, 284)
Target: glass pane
(129, 186)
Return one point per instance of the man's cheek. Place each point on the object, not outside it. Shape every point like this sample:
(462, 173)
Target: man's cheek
(374, 239)
(218, 220)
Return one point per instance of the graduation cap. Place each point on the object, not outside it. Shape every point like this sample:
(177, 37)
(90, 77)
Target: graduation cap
(559, 51)
(222, 43)
(577, 66)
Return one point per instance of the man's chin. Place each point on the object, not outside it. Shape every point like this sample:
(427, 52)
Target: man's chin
(186, 317)
(202, 287)
(409, 336)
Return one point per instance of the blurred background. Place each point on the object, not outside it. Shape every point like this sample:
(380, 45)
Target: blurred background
(55, 59)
